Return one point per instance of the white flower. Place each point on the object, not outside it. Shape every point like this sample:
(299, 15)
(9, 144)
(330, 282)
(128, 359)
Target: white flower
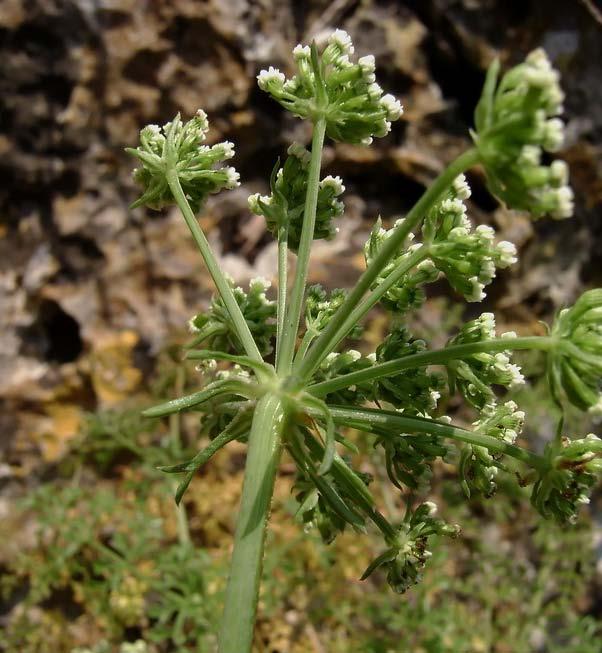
(392, 106)
(476, 293)
(374, 91)
(432, 507)
(271, 76)
(341, 39)
(509, 334)
(232, 177)
(485, 233)
(516, 376)
(538, 58)
(260, 283)
(564, 199)
(336, 183)
(530, 155)
(354, 355)
(367, 65)
(559, 172)
(455, 206)
(297, 150)
(506, 254)
(301, 52)
(461, 188)
(228, 149)
(553, 135)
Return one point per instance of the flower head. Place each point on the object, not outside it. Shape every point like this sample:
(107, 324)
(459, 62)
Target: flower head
(177, 146)
(407, 293)
(571, 468)
(407, 554)
(516, 119)
(415, 390)
(286, 204)
(478, 466)
(215, 326)
(468, 258)
(331, 85)
(575, 364)
(476, 373)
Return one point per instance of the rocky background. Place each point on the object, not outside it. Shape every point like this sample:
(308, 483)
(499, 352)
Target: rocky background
(92, 290)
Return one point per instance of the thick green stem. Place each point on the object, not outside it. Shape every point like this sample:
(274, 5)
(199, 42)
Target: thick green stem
(438, 357)
(327, 340)
(236, 631)
(392, 424)
(222, 285)
(293, 314)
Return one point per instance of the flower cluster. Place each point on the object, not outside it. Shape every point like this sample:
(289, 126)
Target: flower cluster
(407, 554)
(215, 328)
(416, 390)
(474, 375)
(468, 258)
(177, 148)
(478, 466)
(575, 365)
(315, 511)
(285, 205)
(320, 307)
(329, 502)
(407, 292)
(515, 121)
(330, 85)
(408, 458)
(570, 471)
(336, 364)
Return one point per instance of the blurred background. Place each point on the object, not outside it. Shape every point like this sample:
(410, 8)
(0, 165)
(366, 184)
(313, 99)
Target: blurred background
(94, 300)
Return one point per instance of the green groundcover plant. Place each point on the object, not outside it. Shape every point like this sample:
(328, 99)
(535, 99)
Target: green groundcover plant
(272, 375)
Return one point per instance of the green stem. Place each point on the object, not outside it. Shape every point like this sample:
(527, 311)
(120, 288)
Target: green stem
(438, 357)
(308, 338)
(282, 285)
(392, 424)
(236, 632)
(176, 441)
(291, 323)
(242, 328)
(327, 340)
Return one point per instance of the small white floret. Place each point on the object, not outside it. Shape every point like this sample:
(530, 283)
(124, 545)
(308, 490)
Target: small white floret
(565, 203)
(342, 40)
(270, 77)
(476, 293)
(232, 178)
(461, 188)
(506, 253)
(335, 183)
(553, 135)
(392, 106)
(301, 52)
